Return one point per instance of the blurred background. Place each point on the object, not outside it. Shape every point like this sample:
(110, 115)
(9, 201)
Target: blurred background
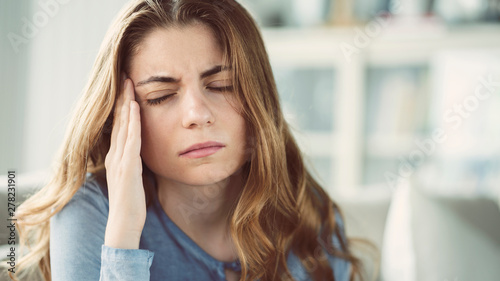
(383, 96)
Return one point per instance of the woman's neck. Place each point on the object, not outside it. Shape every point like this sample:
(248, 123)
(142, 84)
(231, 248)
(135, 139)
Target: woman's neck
(202, 212)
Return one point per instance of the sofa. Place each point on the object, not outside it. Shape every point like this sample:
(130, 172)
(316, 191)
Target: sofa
(414, 234)
(425, 236)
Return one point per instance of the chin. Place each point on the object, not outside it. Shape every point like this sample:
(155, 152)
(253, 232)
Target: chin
(210, 174)
(203, 173)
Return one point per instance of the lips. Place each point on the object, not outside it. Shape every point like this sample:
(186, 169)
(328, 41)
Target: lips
(201, 149)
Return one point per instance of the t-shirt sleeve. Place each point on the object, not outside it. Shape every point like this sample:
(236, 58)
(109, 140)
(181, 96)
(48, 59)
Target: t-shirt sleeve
(77, 250)
(341, 267)
(125, 264)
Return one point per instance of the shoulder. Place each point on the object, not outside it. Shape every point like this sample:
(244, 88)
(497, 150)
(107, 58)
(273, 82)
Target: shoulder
(77, 233)
(88, 208)
(340, 266)
(91, 198)
(341, 243)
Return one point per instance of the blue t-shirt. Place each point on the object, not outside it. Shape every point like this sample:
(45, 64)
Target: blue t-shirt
(77, 250)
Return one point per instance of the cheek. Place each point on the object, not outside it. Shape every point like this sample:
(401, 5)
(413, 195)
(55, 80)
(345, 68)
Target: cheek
(239, 134)
(236, 123)
(242, 132)
(154, 135)
(246, 143)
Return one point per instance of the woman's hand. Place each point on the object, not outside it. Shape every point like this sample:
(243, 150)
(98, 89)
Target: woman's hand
(127, 202)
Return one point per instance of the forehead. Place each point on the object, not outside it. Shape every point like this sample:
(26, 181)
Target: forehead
(174, 49)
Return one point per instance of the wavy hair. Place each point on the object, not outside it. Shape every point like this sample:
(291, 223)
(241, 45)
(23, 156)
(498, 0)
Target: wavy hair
(281, 208)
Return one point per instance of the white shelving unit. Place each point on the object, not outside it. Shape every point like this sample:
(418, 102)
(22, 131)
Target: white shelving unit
(397, 46)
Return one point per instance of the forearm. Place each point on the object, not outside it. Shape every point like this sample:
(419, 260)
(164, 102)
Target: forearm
(120, 236)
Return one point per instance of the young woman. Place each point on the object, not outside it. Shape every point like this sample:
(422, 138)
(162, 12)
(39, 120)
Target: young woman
(179, 165)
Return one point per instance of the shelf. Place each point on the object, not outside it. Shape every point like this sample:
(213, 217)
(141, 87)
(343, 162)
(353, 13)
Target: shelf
(356, 157)
(470, 148)
(396, 45)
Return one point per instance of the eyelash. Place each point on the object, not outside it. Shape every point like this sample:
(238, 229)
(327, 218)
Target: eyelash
(163, 98)
(158, 100)
(221, 89)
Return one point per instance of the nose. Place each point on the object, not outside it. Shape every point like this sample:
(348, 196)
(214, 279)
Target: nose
(196, 109)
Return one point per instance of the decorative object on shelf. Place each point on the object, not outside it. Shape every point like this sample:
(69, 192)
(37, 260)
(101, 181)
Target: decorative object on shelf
(366, 10)
(409, 8)
(456, 11)
(341, 12)
(268, 13)
(309, 12)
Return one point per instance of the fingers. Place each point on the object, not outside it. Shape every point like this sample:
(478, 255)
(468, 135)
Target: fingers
(123, 165)
(126, 119)
(116, 116)
(121, 137)
(133, 145)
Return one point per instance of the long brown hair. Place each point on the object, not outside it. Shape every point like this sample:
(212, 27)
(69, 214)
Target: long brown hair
(281, 207)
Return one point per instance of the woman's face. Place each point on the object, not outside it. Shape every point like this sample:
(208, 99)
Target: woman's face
(185, 95)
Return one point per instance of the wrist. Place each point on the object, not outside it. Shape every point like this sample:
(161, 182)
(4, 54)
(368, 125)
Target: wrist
(122, 236)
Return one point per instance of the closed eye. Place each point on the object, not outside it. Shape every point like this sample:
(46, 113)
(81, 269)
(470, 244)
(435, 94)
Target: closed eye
(158, 100)
(221, 89)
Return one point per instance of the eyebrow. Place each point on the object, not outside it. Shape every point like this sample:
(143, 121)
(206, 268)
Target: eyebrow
(165, 79)
(214, 70)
